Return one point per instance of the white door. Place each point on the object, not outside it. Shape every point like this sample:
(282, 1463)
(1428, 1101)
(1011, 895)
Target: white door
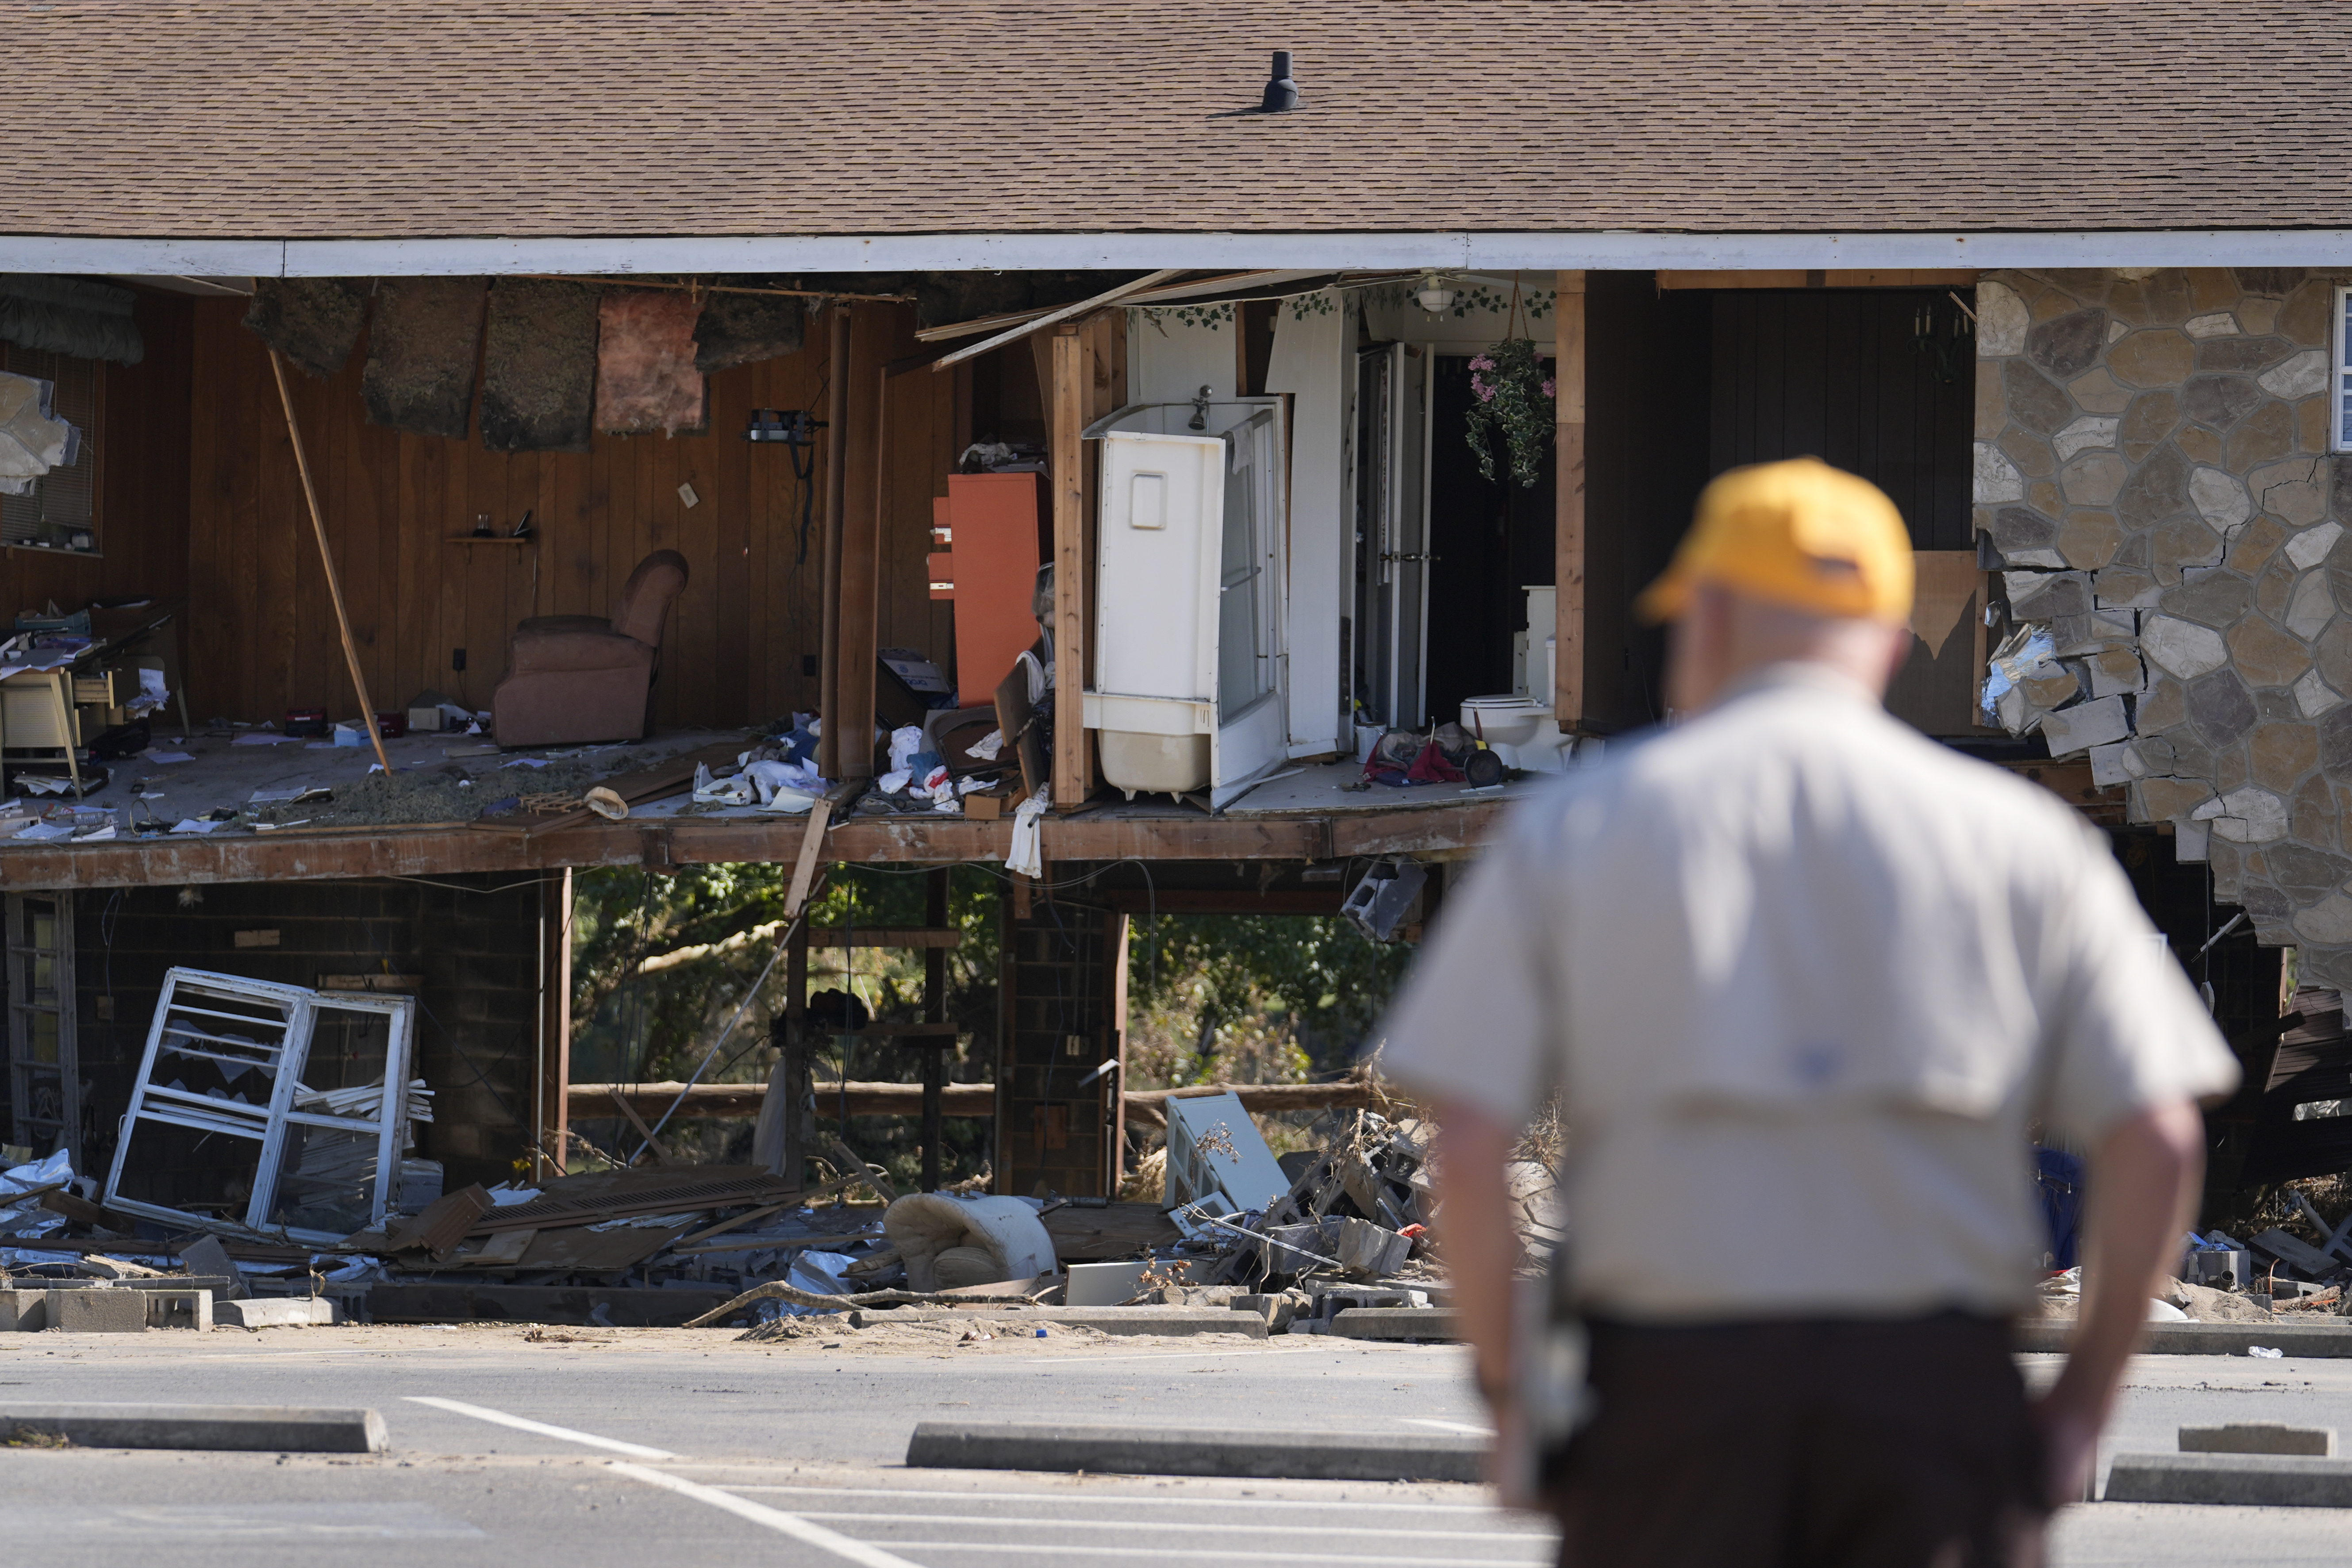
(1252, 733)
(1391, 599)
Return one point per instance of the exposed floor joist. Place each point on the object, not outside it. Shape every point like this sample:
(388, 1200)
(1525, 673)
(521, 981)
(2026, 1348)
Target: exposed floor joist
(1436, 832)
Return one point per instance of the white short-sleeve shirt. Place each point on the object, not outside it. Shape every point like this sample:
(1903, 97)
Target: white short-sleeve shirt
(1803, 979)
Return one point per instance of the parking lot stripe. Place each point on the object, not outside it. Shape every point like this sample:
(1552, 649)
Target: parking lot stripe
(799, 1529)
(524, 1424)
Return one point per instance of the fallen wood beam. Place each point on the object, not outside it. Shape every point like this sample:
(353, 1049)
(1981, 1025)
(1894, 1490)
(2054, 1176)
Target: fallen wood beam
(596, 1099)
(1149, 1106)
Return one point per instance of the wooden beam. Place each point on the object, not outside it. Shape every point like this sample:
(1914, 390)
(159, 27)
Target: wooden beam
(647, 1100)
(1880, 277)
(861, 560)
(1065, 417)
(555, 1025)
(837, 483)
(1568, 667)
(1434, 831)
(327, 560)
(651, 1100)
(864, 937)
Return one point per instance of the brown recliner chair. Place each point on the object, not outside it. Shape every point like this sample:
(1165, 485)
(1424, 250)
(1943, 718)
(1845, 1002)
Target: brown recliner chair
(572, 680)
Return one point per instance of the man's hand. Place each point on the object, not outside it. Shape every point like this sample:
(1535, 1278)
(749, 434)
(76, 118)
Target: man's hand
(2143, 1193)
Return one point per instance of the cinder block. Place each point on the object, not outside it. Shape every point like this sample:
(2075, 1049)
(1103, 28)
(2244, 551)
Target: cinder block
(98, 1311)
(179, 1309)
(24, 1311)
(2260, 1438)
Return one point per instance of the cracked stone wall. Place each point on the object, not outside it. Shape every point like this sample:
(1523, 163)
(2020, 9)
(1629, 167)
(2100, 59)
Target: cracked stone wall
(2152, 479)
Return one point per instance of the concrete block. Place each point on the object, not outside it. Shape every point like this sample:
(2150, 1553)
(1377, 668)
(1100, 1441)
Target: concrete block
(2243, 1480)
(179, 1309)
(276, 1312)
(24, 1311)
(1170, 1321)
(2048, 1336)
(2260, 1438)
(1124, 1451)
(98, 1311)
(1395, 1323)
(1277, 1310)
(245, 1429)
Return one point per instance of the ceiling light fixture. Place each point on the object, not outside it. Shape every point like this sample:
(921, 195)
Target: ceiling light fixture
(1436, 293)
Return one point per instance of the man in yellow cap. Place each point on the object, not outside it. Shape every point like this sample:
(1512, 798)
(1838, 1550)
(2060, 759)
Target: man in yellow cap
(1805, 984)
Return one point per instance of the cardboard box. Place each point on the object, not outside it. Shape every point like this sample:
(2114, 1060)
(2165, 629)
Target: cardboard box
(983, 807)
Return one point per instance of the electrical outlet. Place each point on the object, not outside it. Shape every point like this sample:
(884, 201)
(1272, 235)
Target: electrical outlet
(808, 665)
(457, 658)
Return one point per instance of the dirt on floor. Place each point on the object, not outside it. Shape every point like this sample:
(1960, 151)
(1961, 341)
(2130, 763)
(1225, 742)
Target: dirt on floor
(445, 793)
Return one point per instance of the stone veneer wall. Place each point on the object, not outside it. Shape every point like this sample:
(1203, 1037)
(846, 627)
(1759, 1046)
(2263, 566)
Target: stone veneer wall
(2151, 465)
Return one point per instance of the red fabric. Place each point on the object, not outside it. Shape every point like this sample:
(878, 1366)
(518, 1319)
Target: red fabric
(1430, 767)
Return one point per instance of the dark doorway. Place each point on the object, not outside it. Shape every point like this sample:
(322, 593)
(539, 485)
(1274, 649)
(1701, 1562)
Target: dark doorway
(1491, 542)
(1684, 384)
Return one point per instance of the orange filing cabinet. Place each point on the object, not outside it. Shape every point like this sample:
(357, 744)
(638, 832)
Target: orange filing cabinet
(988, 524)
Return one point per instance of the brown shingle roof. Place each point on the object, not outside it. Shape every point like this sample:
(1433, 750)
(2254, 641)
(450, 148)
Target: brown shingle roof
(419, 118)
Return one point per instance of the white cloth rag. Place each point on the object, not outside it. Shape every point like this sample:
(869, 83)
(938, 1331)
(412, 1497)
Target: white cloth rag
(1025, 856)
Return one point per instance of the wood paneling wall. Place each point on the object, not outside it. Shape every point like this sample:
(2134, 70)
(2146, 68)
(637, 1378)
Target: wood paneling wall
(142, 502)
(262, 635)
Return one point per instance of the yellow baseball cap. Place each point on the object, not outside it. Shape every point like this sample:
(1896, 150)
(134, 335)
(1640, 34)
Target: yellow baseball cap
(1799, 534)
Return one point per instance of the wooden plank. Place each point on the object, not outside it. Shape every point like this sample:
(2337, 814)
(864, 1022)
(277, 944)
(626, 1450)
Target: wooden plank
(447, 849)
(837, 459)
(742, 1100)
(1866, 277)
(884, 937)
(1065, 417)
(1568, 689)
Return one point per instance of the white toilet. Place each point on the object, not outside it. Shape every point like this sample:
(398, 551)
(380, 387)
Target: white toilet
(1519, 725)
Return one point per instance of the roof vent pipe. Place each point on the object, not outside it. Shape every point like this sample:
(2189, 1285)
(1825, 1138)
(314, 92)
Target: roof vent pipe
(1281, 92)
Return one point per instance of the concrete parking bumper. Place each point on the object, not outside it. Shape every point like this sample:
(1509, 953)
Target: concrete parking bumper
(244, 1428)
(2245, 1480)
(1124, 1451)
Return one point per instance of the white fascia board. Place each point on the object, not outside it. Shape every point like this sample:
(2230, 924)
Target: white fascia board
(1305, 252)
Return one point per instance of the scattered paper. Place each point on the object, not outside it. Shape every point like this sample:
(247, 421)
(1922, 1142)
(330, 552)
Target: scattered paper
(195, 825)
(526, 762)
(170, 757)
(260, 738)
(105, 832)
(41, 831)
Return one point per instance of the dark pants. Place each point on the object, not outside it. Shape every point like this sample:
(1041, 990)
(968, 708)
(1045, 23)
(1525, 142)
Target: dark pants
(1804, 1445)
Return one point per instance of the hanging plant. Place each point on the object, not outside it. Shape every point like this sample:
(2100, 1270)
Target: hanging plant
(1514, 410)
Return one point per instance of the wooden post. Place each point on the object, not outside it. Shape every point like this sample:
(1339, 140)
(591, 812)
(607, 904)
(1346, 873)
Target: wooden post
(936, 1051)
(1568, 692)
(327, 558)
(554, 1119)
(1065, 417)
(1115, 1113)
(859, 621)
(836, 480)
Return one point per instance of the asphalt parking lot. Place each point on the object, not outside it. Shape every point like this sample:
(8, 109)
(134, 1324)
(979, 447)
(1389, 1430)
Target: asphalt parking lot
(595, 1446)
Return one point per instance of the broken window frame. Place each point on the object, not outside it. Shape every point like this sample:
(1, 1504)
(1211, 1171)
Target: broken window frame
(268, 1124)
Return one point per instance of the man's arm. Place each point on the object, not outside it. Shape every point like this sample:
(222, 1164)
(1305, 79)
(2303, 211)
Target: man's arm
(2143, 1192)
(1482, 1250)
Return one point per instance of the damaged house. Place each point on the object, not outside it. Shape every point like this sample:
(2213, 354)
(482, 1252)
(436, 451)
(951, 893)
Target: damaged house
(1219, 495)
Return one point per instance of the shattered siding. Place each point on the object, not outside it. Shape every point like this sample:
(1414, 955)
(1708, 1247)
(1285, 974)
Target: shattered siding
(2151, 470)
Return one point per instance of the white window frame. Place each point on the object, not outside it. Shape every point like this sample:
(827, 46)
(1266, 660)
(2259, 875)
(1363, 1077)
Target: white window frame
(2339, 380)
